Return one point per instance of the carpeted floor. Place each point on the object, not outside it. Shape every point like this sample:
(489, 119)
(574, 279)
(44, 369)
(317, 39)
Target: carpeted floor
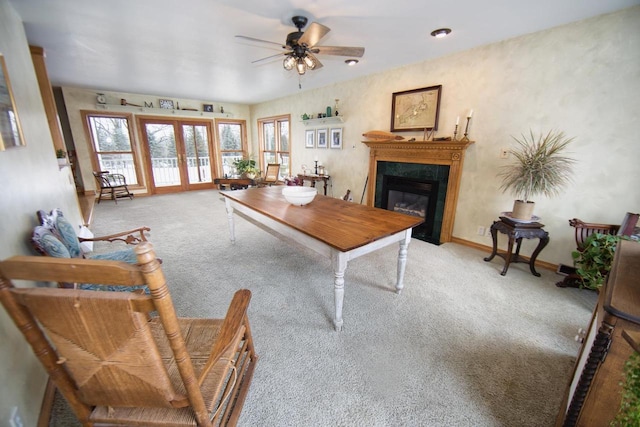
(461, 346)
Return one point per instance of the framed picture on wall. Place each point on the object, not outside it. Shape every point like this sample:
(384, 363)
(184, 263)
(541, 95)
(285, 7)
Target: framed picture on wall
(415, 109)
(208, 108)
(336, 138)
(166, 104)
(10, 129)
(310, 138)
(322, 138)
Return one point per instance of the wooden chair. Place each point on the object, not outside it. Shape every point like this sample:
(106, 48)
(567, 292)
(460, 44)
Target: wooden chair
(112, 185)
(271, 175)
(56, 237)
(121, 358)
(585, 229)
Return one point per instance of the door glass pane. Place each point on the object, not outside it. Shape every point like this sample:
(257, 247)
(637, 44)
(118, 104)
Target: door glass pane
(164, 159)
(269, 137)
(197, 148)
(284, 136)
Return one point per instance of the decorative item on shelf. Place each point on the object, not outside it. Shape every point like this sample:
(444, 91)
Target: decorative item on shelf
(167, 104)
(177, 105)
(148, 104)
(539, 168)
(316, 162)
(305, 116)
(101, 99)
(335, 107)
(428, 134)
(466, 129)
(455, 131)
(221, 109)
(128, 104)
(61, 155)
(382, 135)
(328, 112)
(321, 170)
(207, 108)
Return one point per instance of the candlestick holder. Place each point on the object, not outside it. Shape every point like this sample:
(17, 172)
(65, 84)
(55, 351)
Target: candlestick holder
(316, 166)
(455, 133)
(466, 130)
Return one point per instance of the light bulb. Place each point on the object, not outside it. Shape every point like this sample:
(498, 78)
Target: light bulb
(301, 67)
(310, 62)
(289, 62)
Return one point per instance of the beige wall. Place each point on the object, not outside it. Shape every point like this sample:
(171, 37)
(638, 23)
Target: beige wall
(31, 181)
(77, 99)
(581, 78)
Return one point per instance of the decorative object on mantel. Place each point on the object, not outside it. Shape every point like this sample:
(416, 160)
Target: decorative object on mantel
(466, 129)
(124, 102)
(416, 109)
(539, 168)
(382, 135)
(207, 108)
(167, 104)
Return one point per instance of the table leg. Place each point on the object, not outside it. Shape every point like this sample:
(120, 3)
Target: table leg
(507, 256)
(339, 267)
(532, 262)
(402, 260)
(230, 219)
(494, 237)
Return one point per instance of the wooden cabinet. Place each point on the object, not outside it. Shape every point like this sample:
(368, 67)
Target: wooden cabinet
(594, 393)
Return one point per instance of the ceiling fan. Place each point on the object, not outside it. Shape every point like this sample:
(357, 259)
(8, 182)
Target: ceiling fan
(300, 47)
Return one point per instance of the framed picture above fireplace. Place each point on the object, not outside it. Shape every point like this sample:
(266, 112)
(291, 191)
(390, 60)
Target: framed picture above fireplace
(416, 109)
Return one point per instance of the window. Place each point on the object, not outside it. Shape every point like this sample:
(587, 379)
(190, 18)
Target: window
(274, 143)
(232, 140)
(111, 144)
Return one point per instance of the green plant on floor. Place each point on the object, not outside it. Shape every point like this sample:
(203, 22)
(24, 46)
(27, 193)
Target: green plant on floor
(629, 413)
(594, 260)
(246, 166)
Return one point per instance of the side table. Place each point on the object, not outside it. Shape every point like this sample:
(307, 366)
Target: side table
(234, 183)
(517, 231)
(314, 179)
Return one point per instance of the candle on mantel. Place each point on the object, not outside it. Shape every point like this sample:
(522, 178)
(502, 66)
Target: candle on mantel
(470, 113)
(458, 120)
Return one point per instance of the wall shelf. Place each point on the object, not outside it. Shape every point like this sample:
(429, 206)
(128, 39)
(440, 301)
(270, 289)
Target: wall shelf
(324, 121)
(163, 111)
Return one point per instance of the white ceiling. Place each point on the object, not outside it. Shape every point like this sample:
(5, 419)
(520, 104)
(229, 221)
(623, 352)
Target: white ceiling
(187, 49)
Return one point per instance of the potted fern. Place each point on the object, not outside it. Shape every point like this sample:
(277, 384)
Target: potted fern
(246, 168)
(539, 168)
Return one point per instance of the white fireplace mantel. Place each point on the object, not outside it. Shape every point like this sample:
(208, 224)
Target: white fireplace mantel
(450, 153)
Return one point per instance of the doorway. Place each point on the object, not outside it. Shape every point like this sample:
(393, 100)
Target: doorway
(178, 154)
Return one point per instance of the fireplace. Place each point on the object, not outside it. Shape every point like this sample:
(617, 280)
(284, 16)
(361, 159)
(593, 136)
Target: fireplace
(426, 162)
(413, 197)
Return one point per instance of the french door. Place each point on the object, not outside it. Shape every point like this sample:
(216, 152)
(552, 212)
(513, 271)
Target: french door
(178, 154)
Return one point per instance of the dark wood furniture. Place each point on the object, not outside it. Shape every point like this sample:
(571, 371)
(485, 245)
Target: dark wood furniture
(125, 357)
(516, 231)
(338, 230)
(112, 185)
(315, 178)
(234, 183)
(594, 392)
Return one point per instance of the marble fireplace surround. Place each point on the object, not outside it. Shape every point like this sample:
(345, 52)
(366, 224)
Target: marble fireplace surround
(450, 153)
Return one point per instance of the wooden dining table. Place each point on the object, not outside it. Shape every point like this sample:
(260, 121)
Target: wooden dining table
(334, 228)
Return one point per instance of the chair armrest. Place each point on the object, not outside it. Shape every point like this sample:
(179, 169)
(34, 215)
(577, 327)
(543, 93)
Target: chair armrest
(133, 237)
(233, 321)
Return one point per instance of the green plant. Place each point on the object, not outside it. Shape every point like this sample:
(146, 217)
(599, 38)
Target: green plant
(629, 413)
(539, 166)
(61, 154)
(594, 260)
(244, 166)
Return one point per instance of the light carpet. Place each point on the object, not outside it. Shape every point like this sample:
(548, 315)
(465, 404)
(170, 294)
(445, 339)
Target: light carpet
(461, 346)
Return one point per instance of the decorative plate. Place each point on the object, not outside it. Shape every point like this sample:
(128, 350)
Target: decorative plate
(534, 218)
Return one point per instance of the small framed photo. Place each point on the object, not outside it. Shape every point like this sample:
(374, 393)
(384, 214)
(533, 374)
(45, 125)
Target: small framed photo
(321, 138)
(310, 138)
(207, 107)
(336, 138)
(166, 104)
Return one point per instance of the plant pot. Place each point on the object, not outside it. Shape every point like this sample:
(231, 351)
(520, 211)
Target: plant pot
(250, 175)
(522, 209)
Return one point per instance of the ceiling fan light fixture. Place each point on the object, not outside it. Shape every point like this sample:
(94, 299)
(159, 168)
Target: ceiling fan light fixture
(309, 62)
(288, 63)
(351, 62)
(441, 32)
(301, 67)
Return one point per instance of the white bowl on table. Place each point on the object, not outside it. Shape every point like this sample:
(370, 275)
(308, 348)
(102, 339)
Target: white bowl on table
(299, 195)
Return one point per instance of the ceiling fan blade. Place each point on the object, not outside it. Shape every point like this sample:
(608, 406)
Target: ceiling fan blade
(265, 59)
(261, 41)
(356, 52)
(313, 34)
